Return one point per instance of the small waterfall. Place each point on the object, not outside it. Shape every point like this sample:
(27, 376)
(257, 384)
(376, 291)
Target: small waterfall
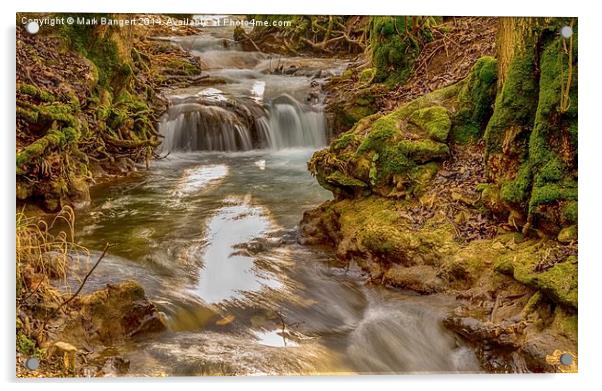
(289, 125)
(220, 125)
(195, 127)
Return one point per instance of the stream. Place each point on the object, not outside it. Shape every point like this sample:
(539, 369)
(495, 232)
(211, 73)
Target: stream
(210, 233)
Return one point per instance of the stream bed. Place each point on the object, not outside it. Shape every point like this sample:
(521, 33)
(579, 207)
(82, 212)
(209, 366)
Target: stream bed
(210, 232)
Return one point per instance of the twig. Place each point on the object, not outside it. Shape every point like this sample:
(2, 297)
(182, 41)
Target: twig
(81, 286)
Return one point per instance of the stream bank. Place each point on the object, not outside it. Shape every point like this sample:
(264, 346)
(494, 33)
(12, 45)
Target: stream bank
(429, 196)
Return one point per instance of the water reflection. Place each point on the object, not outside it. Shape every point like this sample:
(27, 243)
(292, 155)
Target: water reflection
(195, 179)
(226, 272)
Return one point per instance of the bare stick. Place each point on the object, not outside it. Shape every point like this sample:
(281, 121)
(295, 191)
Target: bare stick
(104, 252)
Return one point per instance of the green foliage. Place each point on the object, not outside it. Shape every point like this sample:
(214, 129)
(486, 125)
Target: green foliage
(27, 346)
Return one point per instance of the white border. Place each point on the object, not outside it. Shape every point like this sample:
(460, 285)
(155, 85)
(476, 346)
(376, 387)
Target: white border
(590, 143)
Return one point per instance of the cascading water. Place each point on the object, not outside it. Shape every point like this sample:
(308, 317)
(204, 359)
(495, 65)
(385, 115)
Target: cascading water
(289, 125)
(257, 106)
(241, 126)
(196, 127)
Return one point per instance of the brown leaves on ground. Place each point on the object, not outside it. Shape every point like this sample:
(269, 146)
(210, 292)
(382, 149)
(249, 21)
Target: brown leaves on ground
(453, 193)
(555, 254)
(446, 60)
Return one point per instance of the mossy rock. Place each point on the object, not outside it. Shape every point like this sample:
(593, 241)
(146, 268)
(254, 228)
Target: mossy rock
(367, 75)
(434, 121)
(475, 101)
(388, 152)
(423, 151)
(339, 179)
(568, 234)
(375, 223)
(558, 282)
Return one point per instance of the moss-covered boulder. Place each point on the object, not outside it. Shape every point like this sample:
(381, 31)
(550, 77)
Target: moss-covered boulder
(111, 315)
(396, 154)
(393, 154)
(434, 121)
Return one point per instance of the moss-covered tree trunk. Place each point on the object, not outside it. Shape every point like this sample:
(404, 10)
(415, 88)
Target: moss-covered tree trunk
(531, 138)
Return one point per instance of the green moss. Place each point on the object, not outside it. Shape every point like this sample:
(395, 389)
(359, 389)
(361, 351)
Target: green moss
(28, 115)
(423, 151)
(367, 75)
(434, 121)
(568, 234)
(31, 90)
(341, 180)
(558, 282)
(383, 129)
(553, 180)
(58, 112)
(53, 139)
(421, 176)
(343, 141)
(393, 160)
(517, 190)
(515, 105)
(570, 212)
(102, 48)
(531, 148)
(475, 101)
(394, 47)
(552, 192)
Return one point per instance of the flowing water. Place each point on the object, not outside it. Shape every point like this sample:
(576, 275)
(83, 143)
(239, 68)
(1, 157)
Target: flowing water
(210, 233)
